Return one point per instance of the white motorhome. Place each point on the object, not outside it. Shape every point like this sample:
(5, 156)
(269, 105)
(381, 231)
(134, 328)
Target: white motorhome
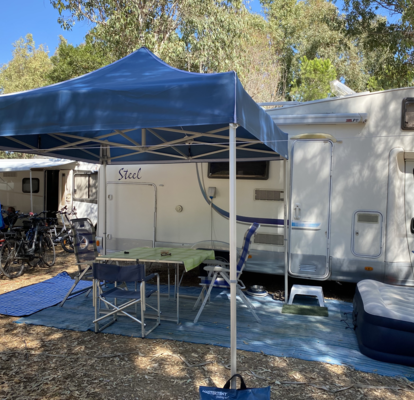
(40, 184)
(350, 195)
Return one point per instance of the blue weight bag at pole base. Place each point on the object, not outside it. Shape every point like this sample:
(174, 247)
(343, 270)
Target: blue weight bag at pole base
(244, 393)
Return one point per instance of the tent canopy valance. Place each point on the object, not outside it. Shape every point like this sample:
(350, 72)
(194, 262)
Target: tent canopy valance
(140, 110)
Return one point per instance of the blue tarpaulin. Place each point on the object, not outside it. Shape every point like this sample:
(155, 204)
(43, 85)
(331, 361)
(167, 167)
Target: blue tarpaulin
(140, 110)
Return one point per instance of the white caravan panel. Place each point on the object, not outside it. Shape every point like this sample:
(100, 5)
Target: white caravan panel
(367, 234)
(131, 213)
(310, 209)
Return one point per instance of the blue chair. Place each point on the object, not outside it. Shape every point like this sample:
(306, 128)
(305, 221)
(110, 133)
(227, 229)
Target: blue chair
(219, 275)
(110, 297)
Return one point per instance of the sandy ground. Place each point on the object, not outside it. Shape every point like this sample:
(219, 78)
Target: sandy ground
(46, 363)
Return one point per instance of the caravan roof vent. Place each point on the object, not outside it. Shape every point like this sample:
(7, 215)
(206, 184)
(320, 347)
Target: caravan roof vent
(340, 90)
(267, 194)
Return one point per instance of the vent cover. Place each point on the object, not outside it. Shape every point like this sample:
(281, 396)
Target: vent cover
(267, 238)
(10, 174)
(270, 195)
(368, 218)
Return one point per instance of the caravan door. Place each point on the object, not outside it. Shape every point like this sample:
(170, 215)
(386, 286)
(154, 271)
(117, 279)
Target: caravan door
(131, 215)
(65, 189)
(409, 205)
(309, 230)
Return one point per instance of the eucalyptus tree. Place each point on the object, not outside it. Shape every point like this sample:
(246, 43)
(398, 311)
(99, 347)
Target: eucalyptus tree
(313, 29)
(71, 61)
(390, 39)
(28, 68)
(194, 35)
(313, 80)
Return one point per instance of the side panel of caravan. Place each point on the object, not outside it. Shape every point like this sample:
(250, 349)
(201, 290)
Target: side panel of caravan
(183, 216)
(84, 191)
(15, 190)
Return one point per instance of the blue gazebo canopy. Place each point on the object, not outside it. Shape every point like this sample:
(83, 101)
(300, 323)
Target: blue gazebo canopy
(140, 110)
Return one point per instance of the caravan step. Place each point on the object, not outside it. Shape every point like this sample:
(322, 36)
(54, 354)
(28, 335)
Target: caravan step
(314, 291)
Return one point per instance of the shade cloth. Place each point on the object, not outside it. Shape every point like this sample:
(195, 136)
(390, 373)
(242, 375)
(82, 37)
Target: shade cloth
(189, 257)
(186, 116)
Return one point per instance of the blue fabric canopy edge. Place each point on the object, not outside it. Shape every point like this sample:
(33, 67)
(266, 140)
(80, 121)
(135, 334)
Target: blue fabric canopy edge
(136, 92)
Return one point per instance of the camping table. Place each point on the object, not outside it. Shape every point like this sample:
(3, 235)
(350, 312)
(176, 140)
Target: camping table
(190, 258)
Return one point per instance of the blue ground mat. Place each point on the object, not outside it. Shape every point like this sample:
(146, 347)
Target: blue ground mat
(326, 339)
(33, 298)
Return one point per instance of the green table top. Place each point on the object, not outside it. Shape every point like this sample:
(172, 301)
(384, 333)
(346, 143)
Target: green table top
(189, 257)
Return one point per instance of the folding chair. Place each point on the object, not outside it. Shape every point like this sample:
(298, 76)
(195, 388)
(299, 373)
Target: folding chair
(130, 273)
(219, 275)
(83, 234)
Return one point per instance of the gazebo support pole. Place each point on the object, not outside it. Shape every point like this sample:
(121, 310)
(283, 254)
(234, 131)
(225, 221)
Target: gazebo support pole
(285, 209)
(105, 207)
(31, 192)
(233, 251)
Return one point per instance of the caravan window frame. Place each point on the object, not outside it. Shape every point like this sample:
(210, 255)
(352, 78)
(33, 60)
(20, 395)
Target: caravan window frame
(35, 181)
(407, 100)
(263, 177)
(88, 174)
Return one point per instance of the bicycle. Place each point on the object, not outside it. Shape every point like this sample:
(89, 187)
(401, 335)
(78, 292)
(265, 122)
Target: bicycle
(32, 248)
(64, 236)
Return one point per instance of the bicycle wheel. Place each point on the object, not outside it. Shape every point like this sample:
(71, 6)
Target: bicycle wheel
(46, 253)
(67, 243)
(11, 266)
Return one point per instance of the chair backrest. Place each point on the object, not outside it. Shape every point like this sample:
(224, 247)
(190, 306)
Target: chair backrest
(244, 254)
(83, 233)
(113, 272)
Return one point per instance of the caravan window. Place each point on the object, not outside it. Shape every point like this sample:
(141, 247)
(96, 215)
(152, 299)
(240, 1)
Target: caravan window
(86, 186)
(244, 170)
(26, 185)
(407, 120)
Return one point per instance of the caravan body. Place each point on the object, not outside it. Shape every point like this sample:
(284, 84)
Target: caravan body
(55, 183)
(350, 196)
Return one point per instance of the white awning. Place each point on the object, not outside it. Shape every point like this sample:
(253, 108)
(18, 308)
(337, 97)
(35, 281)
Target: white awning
(16, 164)
(318, 119)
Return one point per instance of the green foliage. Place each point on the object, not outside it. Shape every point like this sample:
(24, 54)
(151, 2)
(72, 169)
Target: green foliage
(391, 42)
(288, 55)
(12, 154)
(316, 29)
(193, 35)
(70, 61)
(313, 79)
(28, 69)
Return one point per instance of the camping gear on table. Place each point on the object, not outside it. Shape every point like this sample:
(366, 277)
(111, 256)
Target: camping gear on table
(244, 393)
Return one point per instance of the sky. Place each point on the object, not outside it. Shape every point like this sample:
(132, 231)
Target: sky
(38, 17)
